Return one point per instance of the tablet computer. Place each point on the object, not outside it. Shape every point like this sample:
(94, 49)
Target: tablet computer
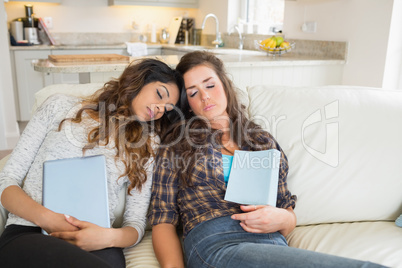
(77, 187)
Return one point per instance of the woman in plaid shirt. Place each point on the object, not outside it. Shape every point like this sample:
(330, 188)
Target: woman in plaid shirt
(189, 184)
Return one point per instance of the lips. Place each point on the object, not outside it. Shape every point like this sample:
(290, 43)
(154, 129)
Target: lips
(209, 107)
(150, 113)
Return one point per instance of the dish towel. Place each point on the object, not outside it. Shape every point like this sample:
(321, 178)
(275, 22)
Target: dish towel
(137, 49)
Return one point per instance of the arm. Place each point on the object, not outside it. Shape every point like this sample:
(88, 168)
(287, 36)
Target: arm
(15, 200)
(164, 213)
(12, 197)
(167, 246)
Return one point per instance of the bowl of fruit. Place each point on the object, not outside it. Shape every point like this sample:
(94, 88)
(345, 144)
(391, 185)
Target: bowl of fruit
(274, 45)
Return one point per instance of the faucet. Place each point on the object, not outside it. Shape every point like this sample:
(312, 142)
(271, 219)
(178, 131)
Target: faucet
(217, 40)
(241, 38)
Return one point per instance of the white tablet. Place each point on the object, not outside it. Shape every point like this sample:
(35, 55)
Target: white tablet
(77, 187)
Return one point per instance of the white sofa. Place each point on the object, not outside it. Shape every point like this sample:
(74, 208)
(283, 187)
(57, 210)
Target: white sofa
(344, 148)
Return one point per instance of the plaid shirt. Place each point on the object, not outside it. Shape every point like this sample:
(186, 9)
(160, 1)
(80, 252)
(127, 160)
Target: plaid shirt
(172, 201)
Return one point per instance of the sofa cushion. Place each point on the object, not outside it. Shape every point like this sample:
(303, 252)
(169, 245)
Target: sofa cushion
(344, 149)
(142, 255)
(78, 90)
(378, 242)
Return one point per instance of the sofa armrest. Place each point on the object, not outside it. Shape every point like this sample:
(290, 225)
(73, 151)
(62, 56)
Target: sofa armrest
(3, 212)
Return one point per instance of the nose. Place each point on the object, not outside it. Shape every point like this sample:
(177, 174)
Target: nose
(204, 95)
(158, 108)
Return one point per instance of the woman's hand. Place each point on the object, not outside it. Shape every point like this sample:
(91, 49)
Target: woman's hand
(266, 219)
(56, 222)
(87, 236)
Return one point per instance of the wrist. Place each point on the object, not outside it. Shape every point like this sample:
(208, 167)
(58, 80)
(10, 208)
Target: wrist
(43, 217)
(289, 221)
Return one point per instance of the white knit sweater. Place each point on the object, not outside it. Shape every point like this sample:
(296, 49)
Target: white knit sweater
(41, 141)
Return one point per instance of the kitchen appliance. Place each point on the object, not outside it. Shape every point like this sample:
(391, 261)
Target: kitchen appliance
(31, 34)
(17, 30)
(30, 24)
(29, 20)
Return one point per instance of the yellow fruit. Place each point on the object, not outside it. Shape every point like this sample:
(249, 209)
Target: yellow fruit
(285, 45)
(265, 41)
(271, 45)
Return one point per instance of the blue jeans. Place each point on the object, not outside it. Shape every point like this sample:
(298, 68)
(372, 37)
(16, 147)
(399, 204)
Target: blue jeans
(222, 242)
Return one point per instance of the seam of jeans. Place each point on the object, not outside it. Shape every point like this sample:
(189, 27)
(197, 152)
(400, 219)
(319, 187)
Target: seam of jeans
(274, 242)
(194, 247)
(204, 261)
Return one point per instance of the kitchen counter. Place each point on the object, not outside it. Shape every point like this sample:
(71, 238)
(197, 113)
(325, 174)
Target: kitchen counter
(231, 58)
(311, 63)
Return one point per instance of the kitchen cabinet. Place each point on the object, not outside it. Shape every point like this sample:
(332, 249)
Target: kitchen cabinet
(27, 81)
(308, 75)
(165, 3)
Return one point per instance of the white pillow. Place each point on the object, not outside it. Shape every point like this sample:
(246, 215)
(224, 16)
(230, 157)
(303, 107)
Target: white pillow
(79, 90)
(344, 149)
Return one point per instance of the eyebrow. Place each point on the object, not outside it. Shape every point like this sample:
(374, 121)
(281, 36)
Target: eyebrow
(167, 91)
(206, 80)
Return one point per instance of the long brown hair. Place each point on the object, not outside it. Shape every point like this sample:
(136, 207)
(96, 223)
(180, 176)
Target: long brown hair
(195, 142)
(111, 105)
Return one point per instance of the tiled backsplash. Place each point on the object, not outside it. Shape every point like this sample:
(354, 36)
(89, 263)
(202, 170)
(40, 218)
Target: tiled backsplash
(328, 49)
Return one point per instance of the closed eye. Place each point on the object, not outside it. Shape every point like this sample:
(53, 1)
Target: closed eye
(211, 86)
(192, 95)
(159, 94)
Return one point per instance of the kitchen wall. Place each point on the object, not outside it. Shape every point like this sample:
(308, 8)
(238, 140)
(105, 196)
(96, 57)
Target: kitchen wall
(365, 24)
(97, 16)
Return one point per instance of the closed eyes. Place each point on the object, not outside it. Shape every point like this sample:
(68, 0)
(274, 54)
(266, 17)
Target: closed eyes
(159, 94)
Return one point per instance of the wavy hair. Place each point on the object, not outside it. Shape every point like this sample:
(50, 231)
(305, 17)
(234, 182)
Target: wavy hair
(195, 142)
(111, 105)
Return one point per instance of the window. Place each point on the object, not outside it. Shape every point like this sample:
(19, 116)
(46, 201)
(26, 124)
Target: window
(262, 16)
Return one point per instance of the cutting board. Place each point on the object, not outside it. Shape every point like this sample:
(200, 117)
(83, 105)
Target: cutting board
(88, 58)
(174, 28)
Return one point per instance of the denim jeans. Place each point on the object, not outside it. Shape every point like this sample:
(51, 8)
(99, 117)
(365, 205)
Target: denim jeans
(222, 242)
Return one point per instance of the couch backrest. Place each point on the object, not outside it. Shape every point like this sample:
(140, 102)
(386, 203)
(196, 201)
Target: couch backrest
(344, 149)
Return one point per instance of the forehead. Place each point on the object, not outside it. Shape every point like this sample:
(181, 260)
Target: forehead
(198, 74)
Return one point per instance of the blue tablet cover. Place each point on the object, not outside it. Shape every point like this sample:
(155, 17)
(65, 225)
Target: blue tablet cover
(253, 179)
(77, 187)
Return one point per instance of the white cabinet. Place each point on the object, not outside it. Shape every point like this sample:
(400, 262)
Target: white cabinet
(165, 3)
(27, 81)
(287, 75)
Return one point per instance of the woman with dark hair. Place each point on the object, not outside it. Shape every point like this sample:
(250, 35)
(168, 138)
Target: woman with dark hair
(189, 184)
(121, 121)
